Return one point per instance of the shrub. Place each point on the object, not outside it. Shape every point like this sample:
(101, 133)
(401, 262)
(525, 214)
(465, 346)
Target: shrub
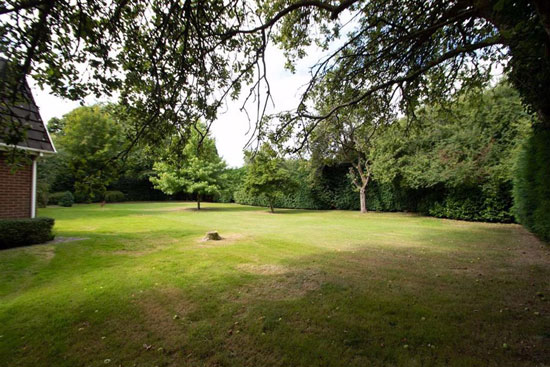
(114, 196)
(81, 197)
(531, 185)
(27, 231)
(491, 203)
(67, 199)
(64, 198)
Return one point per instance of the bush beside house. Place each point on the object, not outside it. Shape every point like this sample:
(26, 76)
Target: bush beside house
(27, 231)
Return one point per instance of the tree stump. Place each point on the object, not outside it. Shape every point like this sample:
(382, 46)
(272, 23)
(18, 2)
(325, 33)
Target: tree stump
(212, 236)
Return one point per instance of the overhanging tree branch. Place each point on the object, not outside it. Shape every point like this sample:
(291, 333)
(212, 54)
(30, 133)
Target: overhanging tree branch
(406, 78)
(332, 9)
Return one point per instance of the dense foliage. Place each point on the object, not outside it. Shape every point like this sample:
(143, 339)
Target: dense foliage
(455, 162)
(91, 138)
(21, 232)
(234, 178)
(349, 138)
(461, 155)
(87, 139)
(325, 188)
(66, 199)
(532, 185)
(299, 195)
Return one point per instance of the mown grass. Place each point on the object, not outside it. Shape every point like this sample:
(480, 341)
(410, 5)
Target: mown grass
(294, 288)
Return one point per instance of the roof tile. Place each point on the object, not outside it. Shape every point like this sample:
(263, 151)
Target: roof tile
(26, 113)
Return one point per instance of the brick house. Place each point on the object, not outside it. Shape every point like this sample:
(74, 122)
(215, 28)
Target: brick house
(18, 186)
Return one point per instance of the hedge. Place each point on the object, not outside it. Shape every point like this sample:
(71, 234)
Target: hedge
(141, 189)
(532, 184)
(27, 231)
(332, 189)
(114, 196)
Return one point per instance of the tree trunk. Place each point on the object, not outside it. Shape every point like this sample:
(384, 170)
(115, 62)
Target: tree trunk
(198, 201)
(363, 199)
(271, 206)
(364, 176)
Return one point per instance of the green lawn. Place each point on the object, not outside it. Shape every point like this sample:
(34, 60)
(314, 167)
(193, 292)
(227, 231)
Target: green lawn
(294, 288)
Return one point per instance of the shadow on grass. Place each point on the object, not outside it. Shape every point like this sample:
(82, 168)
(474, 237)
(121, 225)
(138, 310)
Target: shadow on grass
(226, 209)
(247, 208)
(282, 211)
(373, 306)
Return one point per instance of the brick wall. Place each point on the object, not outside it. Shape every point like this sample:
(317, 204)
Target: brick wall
(15, 191)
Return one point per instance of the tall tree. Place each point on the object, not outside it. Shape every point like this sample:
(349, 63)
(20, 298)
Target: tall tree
(197, 169)
(89, 140)
(266, 175)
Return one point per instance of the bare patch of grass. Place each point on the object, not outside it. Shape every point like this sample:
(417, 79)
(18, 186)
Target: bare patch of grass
(280, 283)
(153, 335)
(531, 250)
(133, 248)
(264, 269)
(245, 348)
(44, 252)
(163, 313)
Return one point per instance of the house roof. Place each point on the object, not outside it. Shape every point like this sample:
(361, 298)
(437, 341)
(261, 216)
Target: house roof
(22, 111)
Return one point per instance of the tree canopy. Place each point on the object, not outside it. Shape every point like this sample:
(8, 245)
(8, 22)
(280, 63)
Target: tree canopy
(87, 139)
(348, 138)
(172, 61)
(265, 175)
(198, 169)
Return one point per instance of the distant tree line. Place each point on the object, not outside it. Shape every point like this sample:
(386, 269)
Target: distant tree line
(457, 161)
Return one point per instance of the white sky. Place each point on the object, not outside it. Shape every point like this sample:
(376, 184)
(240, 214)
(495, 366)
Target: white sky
(232, 125)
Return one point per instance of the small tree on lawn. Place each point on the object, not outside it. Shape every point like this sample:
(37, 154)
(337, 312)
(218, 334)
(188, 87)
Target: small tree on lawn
(266, 175)
(197, 170)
